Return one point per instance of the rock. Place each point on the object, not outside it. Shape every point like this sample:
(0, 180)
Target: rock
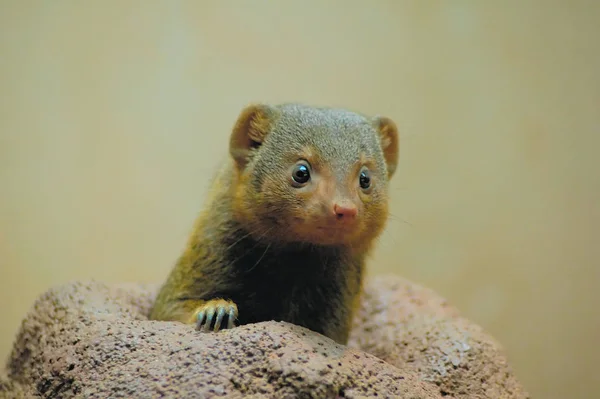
(94, 340)
(414, 328)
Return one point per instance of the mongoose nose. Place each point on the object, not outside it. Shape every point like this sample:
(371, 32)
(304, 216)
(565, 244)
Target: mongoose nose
(345, 211)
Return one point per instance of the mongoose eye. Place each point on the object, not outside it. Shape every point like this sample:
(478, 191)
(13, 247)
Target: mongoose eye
(365, 179)
(301, 174)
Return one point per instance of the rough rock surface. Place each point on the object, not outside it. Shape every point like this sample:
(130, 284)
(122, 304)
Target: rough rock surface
(415, 329)
(93, 340)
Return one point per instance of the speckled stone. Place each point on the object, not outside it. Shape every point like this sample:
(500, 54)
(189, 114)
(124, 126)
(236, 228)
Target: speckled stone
(93, 340)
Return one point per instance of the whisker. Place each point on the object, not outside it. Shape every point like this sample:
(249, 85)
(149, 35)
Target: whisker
(261, 258)
(266, 232)
(394, 217)
(255, 244)
(237, 241)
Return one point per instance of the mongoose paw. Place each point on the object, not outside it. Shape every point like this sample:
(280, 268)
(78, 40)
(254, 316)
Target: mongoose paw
(211, 315)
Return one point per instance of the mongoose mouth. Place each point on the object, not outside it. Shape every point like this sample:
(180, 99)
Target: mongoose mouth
(329, 224)
(327, 234)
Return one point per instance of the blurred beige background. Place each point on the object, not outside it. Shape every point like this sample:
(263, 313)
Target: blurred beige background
(114, 115)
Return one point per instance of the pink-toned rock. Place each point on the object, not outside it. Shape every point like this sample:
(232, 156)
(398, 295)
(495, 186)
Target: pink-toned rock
(93, 340)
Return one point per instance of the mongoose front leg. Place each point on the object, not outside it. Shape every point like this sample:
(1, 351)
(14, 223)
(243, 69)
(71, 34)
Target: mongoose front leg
(216, 310)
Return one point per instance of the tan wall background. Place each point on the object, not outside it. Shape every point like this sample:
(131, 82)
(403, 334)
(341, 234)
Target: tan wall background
(113, 116)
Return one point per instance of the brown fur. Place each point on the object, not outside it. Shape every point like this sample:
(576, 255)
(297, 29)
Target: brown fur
(267, 248)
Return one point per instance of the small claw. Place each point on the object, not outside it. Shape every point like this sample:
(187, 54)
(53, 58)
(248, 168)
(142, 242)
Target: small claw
(209, 317)
(200, 318)
(216, 310)
(231, 317)
(219, 318)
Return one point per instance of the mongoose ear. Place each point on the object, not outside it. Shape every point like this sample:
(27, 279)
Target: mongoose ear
(250, 129)
(388, 134)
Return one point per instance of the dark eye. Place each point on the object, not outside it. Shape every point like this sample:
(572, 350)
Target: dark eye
(301, 174)
(364, 179)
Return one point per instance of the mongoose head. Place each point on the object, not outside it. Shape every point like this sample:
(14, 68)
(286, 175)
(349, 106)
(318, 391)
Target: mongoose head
(312, 175)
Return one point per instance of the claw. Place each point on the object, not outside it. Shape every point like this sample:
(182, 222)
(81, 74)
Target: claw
(216, 310)
(231, 317)
(200, 318)
(209, 318)
(219, 318)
